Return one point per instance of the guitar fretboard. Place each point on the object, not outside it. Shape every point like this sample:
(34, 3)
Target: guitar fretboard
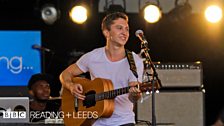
(111, 94)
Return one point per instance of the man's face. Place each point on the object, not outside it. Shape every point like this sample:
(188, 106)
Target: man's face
(119, 32)
(41, 90)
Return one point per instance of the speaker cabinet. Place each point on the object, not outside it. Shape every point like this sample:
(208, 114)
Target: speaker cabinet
(180, 74)
(174, 108)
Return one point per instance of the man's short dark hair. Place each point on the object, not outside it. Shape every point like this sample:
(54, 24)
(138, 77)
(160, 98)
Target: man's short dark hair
(40, 76)
(108, 19)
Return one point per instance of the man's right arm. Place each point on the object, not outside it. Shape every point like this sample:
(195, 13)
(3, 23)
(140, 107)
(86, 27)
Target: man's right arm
(66, 80)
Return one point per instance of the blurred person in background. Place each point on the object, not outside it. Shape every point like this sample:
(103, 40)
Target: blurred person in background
(41, 101)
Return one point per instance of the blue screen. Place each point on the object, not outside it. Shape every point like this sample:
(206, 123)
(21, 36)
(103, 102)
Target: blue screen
(18, 61)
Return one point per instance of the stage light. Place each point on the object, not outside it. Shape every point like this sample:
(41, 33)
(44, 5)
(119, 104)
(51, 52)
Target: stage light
(47, 10)
(78, 14)
(79, 11)
(152, 13)
(213, 13)
(49, 14)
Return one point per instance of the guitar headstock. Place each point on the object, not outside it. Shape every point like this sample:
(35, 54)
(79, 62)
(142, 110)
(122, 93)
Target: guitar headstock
(147, 86)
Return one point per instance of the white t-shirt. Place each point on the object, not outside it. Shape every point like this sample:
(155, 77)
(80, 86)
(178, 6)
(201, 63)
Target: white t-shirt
(99, 66)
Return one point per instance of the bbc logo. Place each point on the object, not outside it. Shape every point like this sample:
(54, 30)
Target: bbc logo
(14, 114)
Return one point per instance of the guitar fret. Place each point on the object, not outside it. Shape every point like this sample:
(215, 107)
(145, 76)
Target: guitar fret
(108, 95)
(96, 97)
(99, 97)
(102, 96)
(111, 94)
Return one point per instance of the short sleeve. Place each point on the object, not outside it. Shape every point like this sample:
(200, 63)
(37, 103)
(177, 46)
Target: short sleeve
(83, 62)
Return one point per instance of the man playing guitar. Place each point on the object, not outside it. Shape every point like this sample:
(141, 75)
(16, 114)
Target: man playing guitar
(109, 62)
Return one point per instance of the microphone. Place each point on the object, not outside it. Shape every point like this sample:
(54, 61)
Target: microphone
(140, 35)
(41, 48)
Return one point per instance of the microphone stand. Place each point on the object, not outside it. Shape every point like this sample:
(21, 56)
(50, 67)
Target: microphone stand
(43, 61)
(43, 55)
(155, 79)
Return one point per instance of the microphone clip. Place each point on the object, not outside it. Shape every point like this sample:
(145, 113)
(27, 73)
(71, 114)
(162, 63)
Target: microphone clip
(43, 49)
(144, 42)
(144, 45)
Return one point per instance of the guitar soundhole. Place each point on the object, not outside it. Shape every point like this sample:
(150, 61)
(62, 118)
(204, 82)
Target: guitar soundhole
(90, 99)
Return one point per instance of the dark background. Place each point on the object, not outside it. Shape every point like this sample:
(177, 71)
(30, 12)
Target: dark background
(187, 39)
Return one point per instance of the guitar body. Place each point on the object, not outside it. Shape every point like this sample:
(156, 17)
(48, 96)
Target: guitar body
(88, 111)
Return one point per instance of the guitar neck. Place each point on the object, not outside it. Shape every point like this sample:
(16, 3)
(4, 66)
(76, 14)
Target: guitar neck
(111, 94)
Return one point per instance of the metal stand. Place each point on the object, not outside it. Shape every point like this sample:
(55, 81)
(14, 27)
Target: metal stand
(43, 61)
(155, 79)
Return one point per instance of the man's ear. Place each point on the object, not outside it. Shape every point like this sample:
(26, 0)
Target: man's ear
(105, 33)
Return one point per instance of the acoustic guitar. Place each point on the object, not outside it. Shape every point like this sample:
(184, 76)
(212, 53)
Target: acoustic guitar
(99, 101)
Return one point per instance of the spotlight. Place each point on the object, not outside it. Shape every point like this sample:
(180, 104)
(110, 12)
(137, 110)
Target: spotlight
(79, 10)
(49, 14)
(152, 13)
(213, 13)
(78, 14)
